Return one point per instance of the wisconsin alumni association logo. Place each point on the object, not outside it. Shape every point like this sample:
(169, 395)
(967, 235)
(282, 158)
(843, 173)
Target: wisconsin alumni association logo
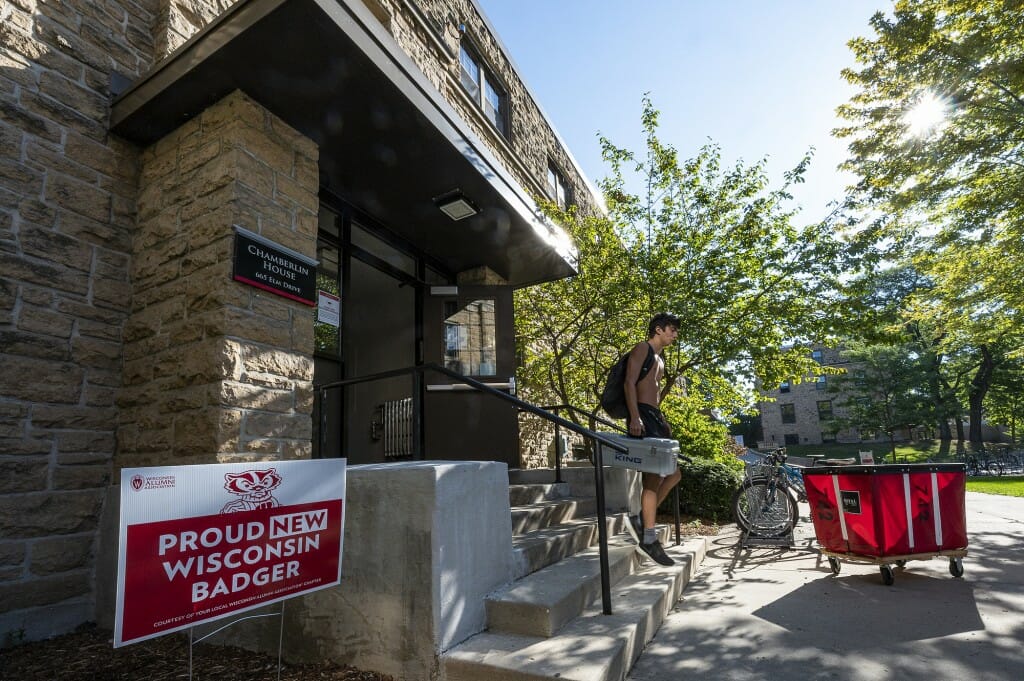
(140, 482)
(254, 488)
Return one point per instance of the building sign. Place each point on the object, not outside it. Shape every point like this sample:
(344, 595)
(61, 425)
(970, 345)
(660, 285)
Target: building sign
(262, 263)
(328, 309)
(198, 543)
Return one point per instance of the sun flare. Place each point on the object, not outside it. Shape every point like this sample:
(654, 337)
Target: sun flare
(927, 116)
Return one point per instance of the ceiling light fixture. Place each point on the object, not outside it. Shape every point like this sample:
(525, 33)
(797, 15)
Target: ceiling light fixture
(455, 205)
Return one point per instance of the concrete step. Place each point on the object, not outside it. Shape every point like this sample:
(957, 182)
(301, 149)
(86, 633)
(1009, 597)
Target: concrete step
(547, 513)
(536, 550)
(521, 495)
(542, 602)
(591, 647)
(545, 580)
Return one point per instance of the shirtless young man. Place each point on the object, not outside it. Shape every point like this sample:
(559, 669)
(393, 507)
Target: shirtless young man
(646, 420)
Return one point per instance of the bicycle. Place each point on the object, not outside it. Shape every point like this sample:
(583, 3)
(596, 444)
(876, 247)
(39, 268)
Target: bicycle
(765, 505)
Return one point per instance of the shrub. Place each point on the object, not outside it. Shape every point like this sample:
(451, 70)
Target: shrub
(706, 489)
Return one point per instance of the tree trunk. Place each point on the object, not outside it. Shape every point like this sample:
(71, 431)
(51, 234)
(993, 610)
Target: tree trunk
(980, 384)
(938, 400)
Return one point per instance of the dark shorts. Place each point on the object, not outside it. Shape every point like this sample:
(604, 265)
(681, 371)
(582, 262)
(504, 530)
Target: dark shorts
(654, 421)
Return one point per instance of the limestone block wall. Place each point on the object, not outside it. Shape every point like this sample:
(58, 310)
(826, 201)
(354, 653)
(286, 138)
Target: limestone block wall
(215, 370)
(804, 397)
(67, 208)
(178, 20)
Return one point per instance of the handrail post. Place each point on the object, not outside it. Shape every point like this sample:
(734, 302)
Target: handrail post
(417, 415)
(602, 529)
(323, 422)
(675, 505)
(558, 451)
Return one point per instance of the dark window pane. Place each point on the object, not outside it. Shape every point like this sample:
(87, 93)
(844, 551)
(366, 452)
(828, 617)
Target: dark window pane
(327, 313)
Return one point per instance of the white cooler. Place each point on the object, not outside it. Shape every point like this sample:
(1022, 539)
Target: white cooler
(649, 454)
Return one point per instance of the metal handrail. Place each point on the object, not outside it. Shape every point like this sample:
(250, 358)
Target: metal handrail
(593, 417)
(417, 374)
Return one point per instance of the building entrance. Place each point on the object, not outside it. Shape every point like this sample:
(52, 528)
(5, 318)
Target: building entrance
(372, 328)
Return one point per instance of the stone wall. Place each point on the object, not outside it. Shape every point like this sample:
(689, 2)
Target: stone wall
(216, 370)
(67, 203)
(179, 20)
(804, 397)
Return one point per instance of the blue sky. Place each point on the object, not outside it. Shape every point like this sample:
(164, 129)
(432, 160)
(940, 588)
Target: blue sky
(758, 78)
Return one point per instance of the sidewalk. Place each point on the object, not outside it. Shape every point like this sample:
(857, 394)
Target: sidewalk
(770, 614)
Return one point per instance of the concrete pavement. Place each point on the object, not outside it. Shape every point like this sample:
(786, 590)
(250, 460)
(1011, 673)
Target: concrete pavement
(765, 613)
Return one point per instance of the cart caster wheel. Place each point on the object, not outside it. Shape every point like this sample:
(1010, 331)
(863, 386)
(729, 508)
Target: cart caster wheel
(833, 563)
(901, 563)
(956, 567)
(887, 576)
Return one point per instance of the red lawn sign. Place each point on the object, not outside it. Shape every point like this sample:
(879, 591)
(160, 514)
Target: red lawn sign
(202, 542)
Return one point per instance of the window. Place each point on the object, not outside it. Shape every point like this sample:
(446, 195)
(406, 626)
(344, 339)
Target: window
(470, 343)
(558, 188)
(483, 87)
(828, 436)
(825, 410)
(820, 384)
(327, 313)
(816, 356)
(788, 413)
(784, 387)
(791, 439)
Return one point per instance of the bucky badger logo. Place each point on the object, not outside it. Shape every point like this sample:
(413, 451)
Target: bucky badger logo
(254, 488)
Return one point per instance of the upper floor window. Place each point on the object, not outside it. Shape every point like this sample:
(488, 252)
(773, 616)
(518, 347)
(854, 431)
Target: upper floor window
(788, 413)
(821, 383)
(784, 387)
(816, 356)
(558, 188)
(483, 87)
(825, 410)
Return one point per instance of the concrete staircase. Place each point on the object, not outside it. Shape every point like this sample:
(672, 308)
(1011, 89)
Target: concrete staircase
(548, 624)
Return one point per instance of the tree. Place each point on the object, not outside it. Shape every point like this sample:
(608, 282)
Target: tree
(712, 244)
(883, 391)
(937, 140)
(1004, 404)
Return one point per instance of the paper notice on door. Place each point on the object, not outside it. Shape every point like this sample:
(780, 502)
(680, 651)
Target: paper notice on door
(328, 309)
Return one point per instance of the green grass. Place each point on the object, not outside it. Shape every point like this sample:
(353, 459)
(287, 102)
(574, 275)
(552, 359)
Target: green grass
(906, 452)
(1009, 485)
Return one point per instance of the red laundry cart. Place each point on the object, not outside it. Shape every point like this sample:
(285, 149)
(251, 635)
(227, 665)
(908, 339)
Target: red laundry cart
(889, 514)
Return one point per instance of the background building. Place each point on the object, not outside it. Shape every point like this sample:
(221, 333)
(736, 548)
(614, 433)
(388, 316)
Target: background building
(805, 413)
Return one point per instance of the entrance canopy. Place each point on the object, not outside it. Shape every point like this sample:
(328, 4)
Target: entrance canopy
(389, 142)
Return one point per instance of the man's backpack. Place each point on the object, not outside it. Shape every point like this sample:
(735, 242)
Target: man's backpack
(613, 397)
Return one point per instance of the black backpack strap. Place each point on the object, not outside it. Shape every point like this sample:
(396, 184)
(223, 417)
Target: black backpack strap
(648, 361)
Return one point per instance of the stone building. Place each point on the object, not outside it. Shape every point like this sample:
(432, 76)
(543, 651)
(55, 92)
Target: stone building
(384, 153)
(805, 413)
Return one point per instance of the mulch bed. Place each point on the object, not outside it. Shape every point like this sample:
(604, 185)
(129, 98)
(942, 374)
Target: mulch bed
(88, 654)
(691, 526)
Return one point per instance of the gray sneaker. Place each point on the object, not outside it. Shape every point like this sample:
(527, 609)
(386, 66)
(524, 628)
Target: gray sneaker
(635, 527)
(657, 553)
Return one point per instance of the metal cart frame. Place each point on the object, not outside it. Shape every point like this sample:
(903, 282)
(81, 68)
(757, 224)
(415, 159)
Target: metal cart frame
(885, 563)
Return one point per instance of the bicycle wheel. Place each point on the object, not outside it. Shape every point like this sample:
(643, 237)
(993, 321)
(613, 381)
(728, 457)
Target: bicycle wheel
(763, 508)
